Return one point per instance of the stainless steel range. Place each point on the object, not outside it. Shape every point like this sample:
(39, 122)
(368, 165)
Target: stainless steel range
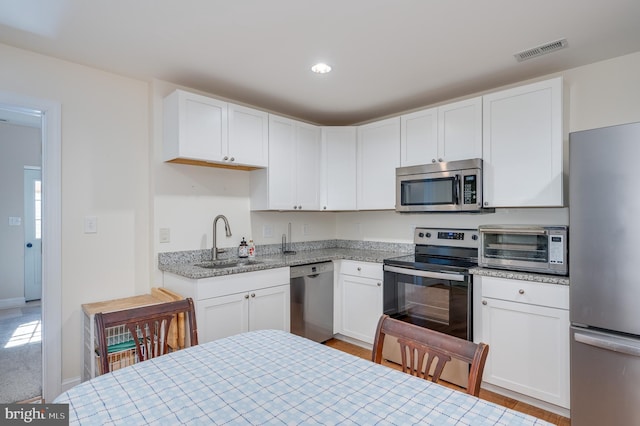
(432, 287)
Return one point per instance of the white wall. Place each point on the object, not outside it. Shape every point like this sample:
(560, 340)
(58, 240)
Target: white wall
(19, 147)
(105, 173)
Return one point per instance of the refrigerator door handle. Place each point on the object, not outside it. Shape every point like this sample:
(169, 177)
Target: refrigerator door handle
(614, 345)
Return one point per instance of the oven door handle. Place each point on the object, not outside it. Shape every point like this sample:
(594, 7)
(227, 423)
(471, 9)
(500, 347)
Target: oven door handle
(425, 274)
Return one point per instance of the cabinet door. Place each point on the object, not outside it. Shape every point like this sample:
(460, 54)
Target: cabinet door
(223, 316)
(460, 130)
(195, 127)
(361, 306)
(269, 308)
(307, 167)
(378, 157)
(529, 349)
(248, 136)
(419, 137)
(522, 146)
(338, 168)
(282, 157)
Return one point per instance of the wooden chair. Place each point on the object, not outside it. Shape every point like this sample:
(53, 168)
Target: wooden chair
(416, 343)
(149, 328)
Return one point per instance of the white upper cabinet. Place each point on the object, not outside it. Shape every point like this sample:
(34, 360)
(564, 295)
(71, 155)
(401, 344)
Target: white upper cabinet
(248, 136)
(446, 133)
(378, 156)
(206, 131)
(522, 146)
(292, 180)
(338, 168)
(419, 137)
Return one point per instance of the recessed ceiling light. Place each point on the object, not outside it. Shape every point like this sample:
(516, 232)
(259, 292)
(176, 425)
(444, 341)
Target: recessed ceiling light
(321, 68)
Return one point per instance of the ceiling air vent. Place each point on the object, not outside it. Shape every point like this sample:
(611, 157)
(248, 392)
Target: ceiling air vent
(541, 50)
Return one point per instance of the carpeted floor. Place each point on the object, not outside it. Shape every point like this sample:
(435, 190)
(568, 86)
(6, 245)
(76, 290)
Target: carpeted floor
(20, 353)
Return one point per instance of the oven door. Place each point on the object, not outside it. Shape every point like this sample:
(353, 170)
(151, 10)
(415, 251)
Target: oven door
(436, 300)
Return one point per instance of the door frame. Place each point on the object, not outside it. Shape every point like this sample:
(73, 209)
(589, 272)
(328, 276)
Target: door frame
(51, 234)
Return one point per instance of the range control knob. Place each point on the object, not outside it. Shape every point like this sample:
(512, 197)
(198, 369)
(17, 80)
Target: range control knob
(474, 237)
(428, 234)
(421, 235)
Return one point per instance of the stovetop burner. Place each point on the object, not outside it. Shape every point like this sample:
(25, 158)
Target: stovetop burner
(441, 249)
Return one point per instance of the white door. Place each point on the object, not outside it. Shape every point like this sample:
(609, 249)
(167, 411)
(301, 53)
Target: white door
(32, 234)
(269, 308)
(361, 307)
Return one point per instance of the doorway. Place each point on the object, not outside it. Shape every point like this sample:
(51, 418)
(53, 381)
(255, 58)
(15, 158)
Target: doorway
(48, 112)
(32, 233)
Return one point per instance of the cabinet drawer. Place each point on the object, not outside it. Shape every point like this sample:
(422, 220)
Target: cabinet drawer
(362, 269)
(535, 293)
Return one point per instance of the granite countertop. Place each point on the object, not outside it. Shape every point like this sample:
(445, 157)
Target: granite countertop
(184, 263)
(519, 275)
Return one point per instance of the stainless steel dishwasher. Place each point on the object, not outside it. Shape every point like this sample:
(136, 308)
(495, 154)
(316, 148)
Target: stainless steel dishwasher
(312, 301)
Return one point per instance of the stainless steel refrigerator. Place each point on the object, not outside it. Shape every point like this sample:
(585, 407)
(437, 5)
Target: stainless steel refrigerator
(604, 254)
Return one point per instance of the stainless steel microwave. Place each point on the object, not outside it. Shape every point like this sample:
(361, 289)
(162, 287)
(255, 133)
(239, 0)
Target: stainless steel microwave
(542, 249)
(454, 186)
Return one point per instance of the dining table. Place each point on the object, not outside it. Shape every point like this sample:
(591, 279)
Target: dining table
(272, 377)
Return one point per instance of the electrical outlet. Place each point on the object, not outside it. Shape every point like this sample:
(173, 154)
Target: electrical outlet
(165, 235)
(267, 231)
(306, 229)
(15, 221)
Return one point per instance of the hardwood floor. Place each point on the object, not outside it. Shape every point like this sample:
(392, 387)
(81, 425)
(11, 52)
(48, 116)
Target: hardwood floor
(484, 394)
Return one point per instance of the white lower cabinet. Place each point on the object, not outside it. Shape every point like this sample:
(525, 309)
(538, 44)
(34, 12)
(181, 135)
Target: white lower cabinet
(358, 299)
(526, 325)
(237, 303)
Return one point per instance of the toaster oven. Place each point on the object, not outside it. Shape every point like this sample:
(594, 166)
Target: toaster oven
(541, 249)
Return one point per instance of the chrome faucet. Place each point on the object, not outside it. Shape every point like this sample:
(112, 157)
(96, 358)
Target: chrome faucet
(227, 228)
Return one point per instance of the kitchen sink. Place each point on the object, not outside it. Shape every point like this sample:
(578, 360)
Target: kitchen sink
(221, 264)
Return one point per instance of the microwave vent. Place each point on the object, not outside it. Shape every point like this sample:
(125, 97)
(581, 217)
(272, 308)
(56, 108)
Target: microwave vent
(541, 50)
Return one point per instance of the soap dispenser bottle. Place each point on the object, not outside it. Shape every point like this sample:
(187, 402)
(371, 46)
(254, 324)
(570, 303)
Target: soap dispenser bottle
(243, 249)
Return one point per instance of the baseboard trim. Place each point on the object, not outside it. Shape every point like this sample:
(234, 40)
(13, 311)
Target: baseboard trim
(16, 302)
(69, 383)
(527, 399)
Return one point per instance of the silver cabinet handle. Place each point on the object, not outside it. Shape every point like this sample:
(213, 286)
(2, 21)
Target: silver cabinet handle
(521, 291)
(359, 269)
(253, 295)
(299, 207)
(232, 159)
(295, 207)
(379, 284)
(225, 158)
(484, 302)
(486, 203)
(439, 160)
(324, 208)
(246, 296)
(433, 160)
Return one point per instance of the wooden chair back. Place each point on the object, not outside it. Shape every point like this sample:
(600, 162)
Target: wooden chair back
(149, 328)
(417, 343)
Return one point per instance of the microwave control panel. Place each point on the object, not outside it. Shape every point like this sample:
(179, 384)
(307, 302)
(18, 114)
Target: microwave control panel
(470, 189)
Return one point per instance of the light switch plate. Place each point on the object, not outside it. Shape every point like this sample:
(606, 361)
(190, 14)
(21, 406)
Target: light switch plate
(90, 224)
(15, 221)
(165, 235)
(267, 231)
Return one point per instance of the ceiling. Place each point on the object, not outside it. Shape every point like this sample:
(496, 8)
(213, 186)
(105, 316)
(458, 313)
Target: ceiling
(388, 56)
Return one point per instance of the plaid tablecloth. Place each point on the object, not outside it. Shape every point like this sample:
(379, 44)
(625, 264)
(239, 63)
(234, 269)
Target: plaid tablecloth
(273, 377)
